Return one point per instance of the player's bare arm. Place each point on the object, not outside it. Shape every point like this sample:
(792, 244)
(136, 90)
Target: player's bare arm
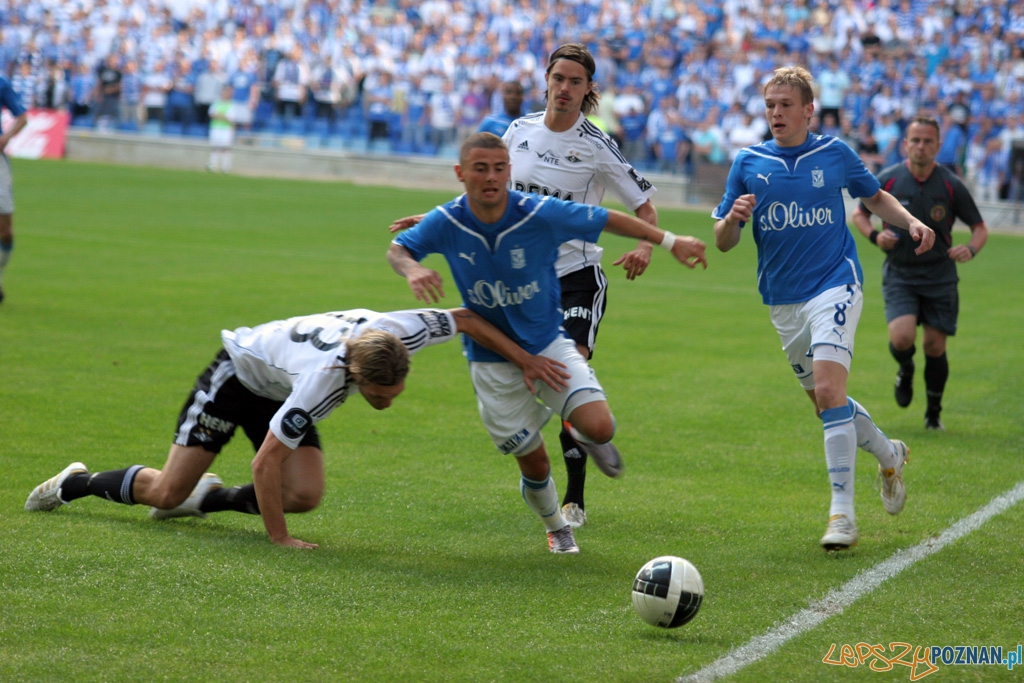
(635, 262)
(727, 230)
(534, 368)
(405, 223)
(889, 209)
(886, 239)
(687, 250)
(266, 478)
(426, 284)
(15, 128)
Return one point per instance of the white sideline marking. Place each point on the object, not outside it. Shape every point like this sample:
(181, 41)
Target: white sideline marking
(761, 646)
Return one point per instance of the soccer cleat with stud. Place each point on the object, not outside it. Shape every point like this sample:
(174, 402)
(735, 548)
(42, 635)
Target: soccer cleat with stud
(894, 493)
(840, 534)
(190, 508)
(46, 496)
(574, 515)
(562, 541)
(933, 423)
(905, 385)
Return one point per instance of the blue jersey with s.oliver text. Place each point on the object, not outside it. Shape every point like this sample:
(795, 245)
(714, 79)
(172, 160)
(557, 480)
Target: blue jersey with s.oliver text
(804, 246)
(505, 270)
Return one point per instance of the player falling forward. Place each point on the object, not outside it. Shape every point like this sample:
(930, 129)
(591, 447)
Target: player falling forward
(276, 381)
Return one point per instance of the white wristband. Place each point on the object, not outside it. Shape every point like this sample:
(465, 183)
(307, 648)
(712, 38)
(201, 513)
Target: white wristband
(668, 241)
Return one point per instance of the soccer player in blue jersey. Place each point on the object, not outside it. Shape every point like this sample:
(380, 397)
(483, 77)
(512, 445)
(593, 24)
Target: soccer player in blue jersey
(11, 101)
(791, 190)
(501, 246)
(512, 101)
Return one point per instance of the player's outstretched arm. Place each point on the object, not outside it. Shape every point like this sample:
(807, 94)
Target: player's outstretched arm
(404, 223)
(266, 478)
(426, 284)
(728, 229)
(548, 370)
(687, 250)
(889, 209)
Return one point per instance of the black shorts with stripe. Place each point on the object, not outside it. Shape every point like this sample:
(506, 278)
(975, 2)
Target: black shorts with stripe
(220, 403)
(584, 297)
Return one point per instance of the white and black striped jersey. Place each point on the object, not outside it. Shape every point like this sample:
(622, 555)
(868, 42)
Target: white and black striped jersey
(576, 165)
(301, 361)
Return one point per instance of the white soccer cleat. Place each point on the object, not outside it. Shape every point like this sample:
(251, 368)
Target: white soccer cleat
(574, 515)
(894, 493)
(190, 508)
(562, 541)
(840, 534)
(46, 496)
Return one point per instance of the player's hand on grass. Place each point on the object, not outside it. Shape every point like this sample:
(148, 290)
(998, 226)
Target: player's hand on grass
(635, 262)
(404, 223)
(289, 542)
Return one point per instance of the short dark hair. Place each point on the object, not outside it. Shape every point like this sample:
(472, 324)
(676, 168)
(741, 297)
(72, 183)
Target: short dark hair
(479, 141)
(577, 52)
(926, 121)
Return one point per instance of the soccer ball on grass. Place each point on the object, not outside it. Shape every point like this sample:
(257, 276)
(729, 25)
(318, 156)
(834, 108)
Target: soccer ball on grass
(667, 592)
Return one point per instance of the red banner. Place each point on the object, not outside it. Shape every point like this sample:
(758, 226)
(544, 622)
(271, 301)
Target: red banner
(43, 136)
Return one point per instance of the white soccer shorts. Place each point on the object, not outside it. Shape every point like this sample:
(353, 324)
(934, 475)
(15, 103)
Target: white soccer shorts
(512, 415)
(820, 329)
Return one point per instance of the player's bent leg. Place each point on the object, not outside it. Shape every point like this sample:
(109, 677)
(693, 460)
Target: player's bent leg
(169, 487)
(593, 428)
(302, 479)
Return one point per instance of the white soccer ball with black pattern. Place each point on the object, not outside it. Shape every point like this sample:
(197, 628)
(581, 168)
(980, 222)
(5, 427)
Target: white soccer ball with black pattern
(667, 592)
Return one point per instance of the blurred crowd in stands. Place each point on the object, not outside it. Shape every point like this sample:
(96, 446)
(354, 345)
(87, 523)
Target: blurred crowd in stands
(681, 79)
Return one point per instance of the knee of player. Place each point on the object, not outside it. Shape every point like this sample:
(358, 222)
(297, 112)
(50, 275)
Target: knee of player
(302, 500)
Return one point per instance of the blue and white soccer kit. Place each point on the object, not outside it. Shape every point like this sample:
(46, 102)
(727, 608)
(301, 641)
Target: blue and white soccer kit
(505, 273)
(505, 270)
(804, 246)
(805, 251)
(809, 273)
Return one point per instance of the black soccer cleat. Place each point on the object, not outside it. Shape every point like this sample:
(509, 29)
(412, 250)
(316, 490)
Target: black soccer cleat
(905, 385)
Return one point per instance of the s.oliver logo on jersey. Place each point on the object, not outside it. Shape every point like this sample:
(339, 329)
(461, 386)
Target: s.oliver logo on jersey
(779, 216)
(295, 423)
(495, 294)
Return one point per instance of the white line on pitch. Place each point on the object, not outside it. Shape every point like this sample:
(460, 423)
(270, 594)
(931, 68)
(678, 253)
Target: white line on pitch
(761, 646)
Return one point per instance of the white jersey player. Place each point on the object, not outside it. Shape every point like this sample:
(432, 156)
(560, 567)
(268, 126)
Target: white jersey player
(559, 152)
(276, 381)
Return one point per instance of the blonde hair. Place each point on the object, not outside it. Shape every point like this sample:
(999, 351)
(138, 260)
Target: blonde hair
(378, 357)
(795, 77)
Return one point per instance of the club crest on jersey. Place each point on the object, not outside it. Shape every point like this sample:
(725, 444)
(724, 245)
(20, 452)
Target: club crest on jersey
(436, 324)
(938, 213)
(572, 158)
(818, 178)
(518, 258)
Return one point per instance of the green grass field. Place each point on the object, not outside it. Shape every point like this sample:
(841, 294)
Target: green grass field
(430, 566)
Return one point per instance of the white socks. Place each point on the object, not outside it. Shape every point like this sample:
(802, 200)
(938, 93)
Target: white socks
(542, 498)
